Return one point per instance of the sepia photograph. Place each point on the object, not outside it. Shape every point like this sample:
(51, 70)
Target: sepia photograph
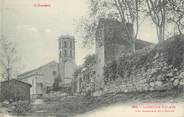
(91, 58)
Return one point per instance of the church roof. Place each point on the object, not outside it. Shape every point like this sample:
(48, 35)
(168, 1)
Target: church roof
(32, 72)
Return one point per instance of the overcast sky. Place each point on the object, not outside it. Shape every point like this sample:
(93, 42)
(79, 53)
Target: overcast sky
(36, 29)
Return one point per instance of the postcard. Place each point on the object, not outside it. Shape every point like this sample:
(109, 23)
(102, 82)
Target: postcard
(91, 58)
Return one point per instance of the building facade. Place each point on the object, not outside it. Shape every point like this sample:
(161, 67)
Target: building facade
(41, 78)
(84, 81)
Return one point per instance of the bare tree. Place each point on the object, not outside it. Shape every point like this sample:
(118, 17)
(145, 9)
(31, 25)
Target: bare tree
(176, 14)
(88, 24)
(125, 11)
(8, 59)
(157, 11)
(161, 13)
(129, 12)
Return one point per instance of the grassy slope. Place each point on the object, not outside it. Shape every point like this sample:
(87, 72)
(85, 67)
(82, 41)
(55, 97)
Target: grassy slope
(73, 105)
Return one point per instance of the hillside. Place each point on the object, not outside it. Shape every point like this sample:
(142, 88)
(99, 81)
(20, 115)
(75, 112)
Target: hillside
(153, 73)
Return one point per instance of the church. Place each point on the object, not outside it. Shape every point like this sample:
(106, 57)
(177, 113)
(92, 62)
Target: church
(42, 78)
(111, 42)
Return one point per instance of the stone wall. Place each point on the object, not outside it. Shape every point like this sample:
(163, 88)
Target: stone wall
(111, 41)
(148, 69)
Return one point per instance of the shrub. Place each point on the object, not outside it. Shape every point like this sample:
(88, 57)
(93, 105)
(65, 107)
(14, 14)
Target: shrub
(21, 107)
(110, 72)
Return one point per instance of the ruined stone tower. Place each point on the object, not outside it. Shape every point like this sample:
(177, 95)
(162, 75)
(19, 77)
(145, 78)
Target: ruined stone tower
(111, 41)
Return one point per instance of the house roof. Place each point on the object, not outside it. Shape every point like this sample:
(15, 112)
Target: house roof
(66, 37)
(17, 81)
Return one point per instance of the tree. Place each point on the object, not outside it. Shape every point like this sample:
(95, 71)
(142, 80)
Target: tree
(157, 12)
(9, 59)
(164, 12)
(129, 12)
(125, 11)
(89, 60)
(88, 24)
(176, 14)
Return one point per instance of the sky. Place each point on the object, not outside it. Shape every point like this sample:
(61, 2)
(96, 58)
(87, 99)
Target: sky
(35, 30)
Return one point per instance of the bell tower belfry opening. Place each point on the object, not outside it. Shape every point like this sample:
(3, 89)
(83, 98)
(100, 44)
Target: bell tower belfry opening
(67, 65)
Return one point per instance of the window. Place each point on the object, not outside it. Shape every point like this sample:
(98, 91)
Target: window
(41, 85)
(110, 30)
(65, 45)
(99, 60)
(65, 53)
(100, 38)
(60, 54)
(70, 44)
(33, 82)
(71, 53)
(88, 76)
(59, 44)
(54, 73)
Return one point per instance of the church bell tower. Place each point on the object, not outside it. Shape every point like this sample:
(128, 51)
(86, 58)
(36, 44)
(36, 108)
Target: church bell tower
(67, 65)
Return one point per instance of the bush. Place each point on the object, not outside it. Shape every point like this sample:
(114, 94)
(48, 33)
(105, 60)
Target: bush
(21, 107)
(110, 72)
